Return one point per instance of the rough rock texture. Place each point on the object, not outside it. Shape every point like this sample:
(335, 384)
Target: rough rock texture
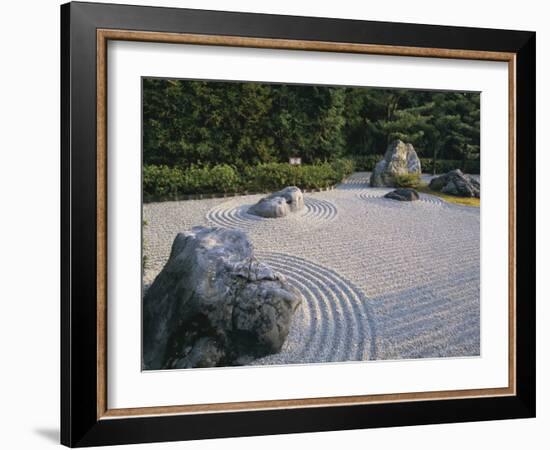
(214, 304)
(456, 183)
(280, 203)
(270, 207)
(399, 159)
(404, 195)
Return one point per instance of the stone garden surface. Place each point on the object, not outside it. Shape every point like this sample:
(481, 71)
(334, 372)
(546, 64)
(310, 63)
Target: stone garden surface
(380, 279)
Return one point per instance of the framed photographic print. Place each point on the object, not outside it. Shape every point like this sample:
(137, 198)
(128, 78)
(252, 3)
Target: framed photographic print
(276, 224)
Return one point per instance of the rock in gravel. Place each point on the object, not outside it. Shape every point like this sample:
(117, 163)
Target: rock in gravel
(456, 183)
(214, 304)
(404, 195)
(271, 207)
(399, 159)
(280, 203)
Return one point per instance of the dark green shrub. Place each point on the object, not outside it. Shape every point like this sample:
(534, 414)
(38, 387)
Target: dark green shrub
(274, 176)
(196, 179)
(270, 176)
(343, 168)
(407, 180)
(470, 166)
(224, 179)
(366, 163)
(162, 181)
(317, 176)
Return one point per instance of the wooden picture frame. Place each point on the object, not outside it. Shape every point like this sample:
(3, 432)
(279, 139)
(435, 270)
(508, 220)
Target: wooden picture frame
(86, 418)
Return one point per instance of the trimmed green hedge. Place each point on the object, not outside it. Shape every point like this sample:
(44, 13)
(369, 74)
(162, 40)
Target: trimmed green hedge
(164, 183)
(169, 182)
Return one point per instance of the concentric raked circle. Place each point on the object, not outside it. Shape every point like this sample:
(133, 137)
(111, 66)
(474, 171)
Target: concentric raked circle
(358, 180)
(359, 184)
(234, 214)
(332, 323)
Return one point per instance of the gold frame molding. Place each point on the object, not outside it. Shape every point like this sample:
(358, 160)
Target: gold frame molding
(103, 36)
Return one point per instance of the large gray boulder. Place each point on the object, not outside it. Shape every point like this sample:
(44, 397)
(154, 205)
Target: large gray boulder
(214, 304)
(456, 183)
(279, 204)
(399, 159)
(403, 195)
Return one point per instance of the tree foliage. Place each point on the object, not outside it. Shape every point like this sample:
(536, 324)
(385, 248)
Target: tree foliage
(205, 123)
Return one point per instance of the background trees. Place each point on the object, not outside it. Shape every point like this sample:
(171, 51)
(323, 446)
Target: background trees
(204, 123)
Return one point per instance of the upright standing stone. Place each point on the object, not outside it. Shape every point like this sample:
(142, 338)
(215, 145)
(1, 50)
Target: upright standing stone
(399, 159)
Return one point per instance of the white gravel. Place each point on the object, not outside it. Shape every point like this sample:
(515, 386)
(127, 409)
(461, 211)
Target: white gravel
(381, 279)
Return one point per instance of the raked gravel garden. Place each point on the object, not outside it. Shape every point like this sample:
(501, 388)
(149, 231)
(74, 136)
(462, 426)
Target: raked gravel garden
(380, 279)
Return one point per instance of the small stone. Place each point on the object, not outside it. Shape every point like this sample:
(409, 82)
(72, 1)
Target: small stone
(404, 195)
